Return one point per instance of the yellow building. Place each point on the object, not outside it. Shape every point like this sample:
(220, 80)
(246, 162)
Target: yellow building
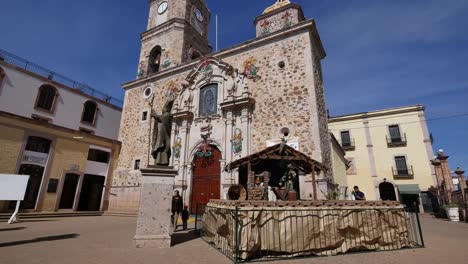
(339, 168)
(389, 153)
(62, 137)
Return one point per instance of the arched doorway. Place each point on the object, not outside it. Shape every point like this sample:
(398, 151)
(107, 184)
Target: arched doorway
(387, 191)
(206, 178)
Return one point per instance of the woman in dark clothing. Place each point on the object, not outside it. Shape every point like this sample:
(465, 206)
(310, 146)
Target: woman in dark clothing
(185, 217)
(177, 207)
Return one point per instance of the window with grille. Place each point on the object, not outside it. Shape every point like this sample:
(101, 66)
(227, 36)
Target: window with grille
(345, 139)
(46, 98)
(89, 112)
(395, 134)
(401, 166)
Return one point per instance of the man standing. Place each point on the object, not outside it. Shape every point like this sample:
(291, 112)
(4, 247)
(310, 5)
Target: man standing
(358, 195)
(177, 207)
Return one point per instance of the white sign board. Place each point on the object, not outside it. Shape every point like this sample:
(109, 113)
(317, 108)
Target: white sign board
(13, 187)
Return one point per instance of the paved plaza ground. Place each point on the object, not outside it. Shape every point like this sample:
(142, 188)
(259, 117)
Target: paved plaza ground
(108, 239)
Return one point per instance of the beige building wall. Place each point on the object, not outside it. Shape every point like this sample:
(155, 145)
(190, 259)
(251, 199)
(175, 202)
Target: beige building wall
(19, 92)
(11, 140)
(68, 154)
(62, 124)
(373, 159)
(339, 167)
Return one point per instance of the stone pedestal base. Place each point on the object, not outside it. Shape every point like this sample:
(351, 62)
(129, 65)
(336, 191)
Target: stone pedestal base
(152, 241)
(154, 217)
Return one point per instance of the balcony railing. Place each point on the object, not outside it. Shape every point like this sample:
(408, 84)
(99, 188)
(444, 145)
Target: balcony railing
(53, 76)
(396, 141)
(348, 146)
(403, 173)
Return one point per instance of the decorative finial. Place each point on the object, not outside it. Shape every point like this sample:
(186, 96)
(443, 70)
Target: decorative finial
(278, 4)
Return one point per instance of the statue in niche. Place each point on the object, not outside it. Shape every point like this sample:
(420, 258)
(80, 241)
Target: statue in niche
(231, 77)
(161, 140)
(186, 96)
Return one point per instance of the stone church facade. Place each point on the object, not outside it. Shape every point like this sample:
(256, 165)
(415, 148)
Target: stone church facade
(227, 104)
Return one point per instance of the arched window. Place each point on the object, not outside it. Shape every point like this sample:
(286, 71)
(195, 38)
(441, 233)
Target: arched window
(89, 112)
(387, 191)
(154, 60)
(45, 100)
(208, 100)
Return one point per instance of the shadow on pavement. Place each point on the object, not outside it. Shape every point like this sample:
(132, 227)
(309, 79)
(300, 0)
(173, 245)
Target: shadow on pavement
(12, 229)
(39, 239)
(182, 237)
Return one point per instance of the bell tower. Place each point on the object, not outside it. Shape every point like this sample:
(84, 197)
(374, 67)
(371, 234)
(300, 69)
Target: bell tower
(281, 15)
(177, 32)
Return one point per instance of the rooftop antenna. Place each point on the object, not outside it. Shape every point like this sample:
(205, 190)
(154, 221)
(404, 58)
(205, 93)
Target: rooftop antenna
(216, 32)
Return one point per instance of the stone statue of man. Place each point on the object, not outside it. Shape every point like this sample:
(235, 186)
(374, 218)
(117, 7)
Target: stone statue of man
(161, 140)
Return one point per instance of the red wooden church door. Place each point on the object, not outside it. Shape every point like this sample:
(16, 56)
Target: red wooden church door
(206, 179)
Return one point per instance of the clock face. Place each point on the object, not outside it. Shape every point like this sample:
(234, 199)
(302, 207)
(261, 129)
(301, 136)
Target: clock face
(199, 15)
(162, 7)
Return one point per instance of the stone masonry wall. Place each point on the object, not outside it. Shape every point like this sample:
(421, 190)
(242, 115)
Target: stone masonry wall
(134, 134)
(282, 95)
(322, 115)
(285, 97)
(174, 38)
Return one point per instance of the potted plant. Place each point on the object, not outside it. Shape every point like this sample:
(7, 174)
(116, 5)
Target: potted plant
(452, 212)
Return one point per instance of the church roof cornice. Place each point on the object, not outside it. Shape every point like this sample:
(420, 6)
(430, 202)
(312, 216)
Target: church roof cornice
(163, 27)
(377, 113)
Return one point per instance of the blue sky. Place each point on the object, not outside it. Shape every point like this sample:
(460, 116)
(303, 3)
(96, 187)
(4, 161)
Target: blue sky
(381, 53)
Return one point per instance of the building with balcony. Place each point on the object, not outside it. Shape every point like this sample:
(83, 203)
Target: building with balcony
(61, 133)
(389, 153)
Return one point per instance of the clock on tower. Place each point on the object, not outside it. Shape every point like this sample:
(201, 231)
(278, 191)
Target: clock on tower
(162, 47)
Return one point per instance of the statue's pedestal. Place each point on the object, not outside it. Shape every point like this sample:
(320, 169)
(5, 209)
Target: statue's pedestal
(154, 217)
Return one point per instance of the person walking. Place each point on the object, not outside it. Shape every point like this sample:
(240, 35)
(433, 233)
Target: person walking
(177, 206)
